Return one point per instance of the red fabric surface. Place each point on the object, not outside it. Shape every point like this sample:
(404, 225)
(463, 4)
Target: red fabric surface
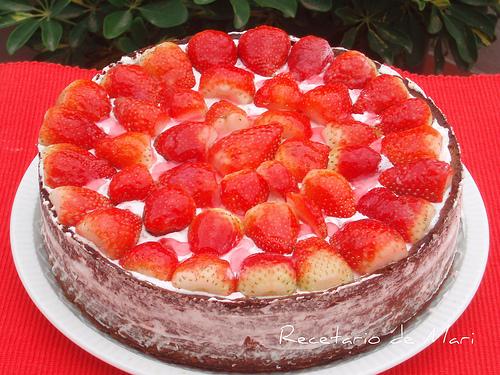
(29, 344)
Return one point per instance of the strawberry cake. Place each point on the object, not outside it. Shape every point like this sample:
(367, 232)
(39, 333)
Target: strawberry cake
(248, 201)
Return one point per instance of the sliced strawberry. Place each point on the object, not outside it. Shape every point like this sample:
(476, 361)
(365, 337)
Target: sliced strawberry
(264, 49)
(272, 226)
(318, 266)
(354, 162)
(267, 275)
(309, 56)
(300, 156)
(351, 68)
(114, 231)
(409, 145)
(228, 82)
(348, 133)
(140, 115)
(187, 105)
(295, 125)
(368, 245)
(131, 183)
(329, 191)
(214, 230)
(379, 93)
(408, 114)
(205, 273)
(210, 48)
(324, 104)
(425, 178)
(86, 96)
(280, 93)
(151, 259)
(226, 117)
(307, 211)
(278, 178)
(246, 148)
(242, 190)
(126, 149)
(130, 81)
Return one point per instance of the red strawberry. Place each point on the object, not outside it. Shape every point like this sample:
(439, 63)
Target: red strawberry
(354, 162)
(205, 273)
(307, 211)
(280, 93)
(140, 115)
(84, 95)
(324, 104)
(72, 203)
(210, 48)
(187, 105)
(131, 183)
(63, 125)
(351, 68)
(130, 81)
(408, 114)
(348, 133)
(368, 245)
(425, 178)
(272, 226)
(112, 230)
(318, 266)
(196, 179)
(267, 275)
(228, 82)
(246, 148)
(278, 178)
(214, 230)
(380, 93)
(126, 149)
(242, 190)
(308, 57)
(295, 125)
(329, 191)
(264, 49)
(151, 259)
(300, 156)
(188, 141)
(409, 145)
(226, 117)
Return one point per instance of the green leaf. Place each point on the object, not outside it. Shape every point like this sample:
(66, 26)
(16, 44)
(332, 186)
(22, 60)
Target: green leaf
(378, 45)
(348, 15)
(397, 38)
(414, 27)
(473, 18)
(93, 22)
(287, 7)
(479, 2)
(435, 25)
(21, 34)
(463, 37)
(438, 56)
(71, 11)
(456, 55)
(116, 23)
(166, 13)
(441, 3)
(118, 3)
(58, 6)
(203, 2)
(51, 34)
(9, 20)
(15, 6)
(241, 10)
(138, 31)
(77, 34)
(127, 45)
(420, 4)
(317, 5)
(349, 37)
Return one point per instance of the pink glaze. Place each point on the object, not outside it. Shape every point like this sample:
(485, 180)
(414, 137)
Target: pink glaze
(180, 248)
(331, 228)
(236, 256)
(96, 184)
(377, 145)
(304, 230)
(315, 80)
(316, 134)
(364, 184)
(162, 167)
(111, 127)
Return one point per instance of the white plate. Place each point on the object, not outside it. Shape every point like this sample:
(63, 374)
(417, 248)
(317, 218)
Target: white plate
(452, 300)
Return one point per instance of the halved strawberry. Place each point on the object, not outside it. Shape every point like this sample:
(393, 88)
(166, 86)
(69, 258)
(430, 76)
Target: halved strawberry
(196, 179)
(210, 48)
(131, 81)
(226, 117)
(240, 191)
(379, 93)
(408, 114)
(409, 145)
(86, 96)
(264, 49)
(140, 115)
(368, 245)
(72, 203)
(307, 211)
(309, 56)
(126, 149)
(214, 230)
(267, 275)
(324, 104)
(354, 162)
(131, 183)
(280, 93)
(114, 231)
(205, 273)
(151, 259)
(348, 133)
(351, 68)
(187, 105)
(329, 191)
(228, 82)
(272, 226)
(300, 156)
(246, 148)
(425, 178)
(295, 125)
(318, 266)
(278, 178)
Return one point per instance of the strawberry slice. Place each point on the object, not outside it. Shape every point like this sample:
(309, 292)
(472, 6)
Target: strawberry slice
(140, 115)
(280, 93)
(351, 68)
(379, 93)
(324, 104)
(114, 231)
(409, 145)
(329, 191)
(295, 125)
(272, 226)
(214, 230)
(197, 179)
(86, 96)
(348, 133)
(264, 49)
(278, 178)
(126, 149)
(425, 178)
(246, 148)
(242, 190)
(151, 259)
(228, 82)
(205, 273)
(130, 81)
(309, 57)
(307, 211)
(318, 266)
(210, 48)
(354, 162)
(267, 275)
(408, 114)
(225, 117)
(131, 183)
(368, 245)
(187, 105)
(71, 203)
(300, 156)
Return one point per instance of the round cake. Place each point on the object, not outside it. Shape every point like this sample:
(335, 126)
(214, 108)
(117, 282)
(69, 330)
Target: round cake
(248, 201)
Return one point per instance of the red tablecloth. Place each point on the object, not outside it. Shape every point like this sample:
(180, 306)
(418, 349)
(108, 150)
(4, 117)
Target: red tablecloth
(29, 344)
